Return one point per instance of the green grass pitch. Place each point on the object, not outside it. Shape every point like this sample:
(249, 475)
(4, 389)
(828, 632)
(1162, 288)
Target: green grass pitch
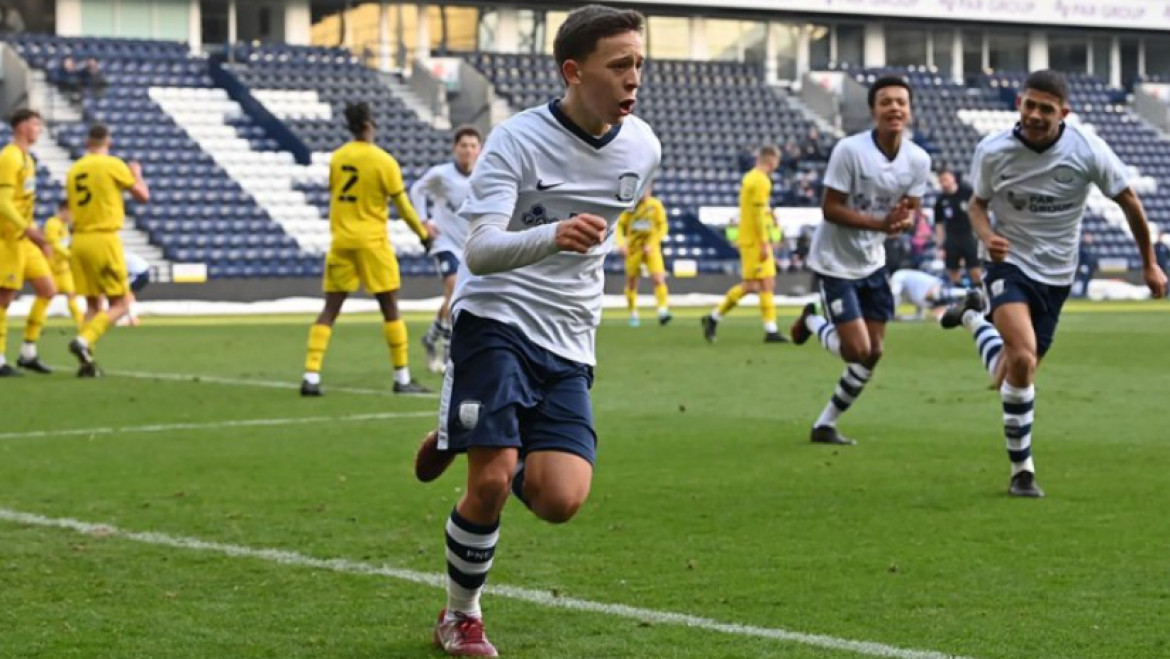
(708, 500)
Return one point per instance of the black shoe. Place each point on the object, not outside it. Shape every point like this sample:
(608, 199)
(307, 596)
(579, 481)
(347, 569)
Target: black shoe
(81, 352)
(829, 435)
(953, 316)
(35, 364)
(799, 331)
(411, 388)
(775, 337)
(709, 327)
(1024, 485)
(89, 370)
(6, 371)
(664, 320)
(310, 389)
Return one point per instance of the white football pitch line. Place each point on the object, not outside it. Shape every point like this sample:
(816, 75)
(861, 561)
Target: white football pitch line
(215, 425)
(249, 382)
(538, 597)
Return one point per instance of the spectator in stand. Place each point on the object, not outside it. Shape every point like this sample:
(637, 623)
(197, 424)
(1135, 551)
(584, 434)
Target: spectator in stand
(746, 159)
(92, 79)
(1086, 266)
(812, 149)
(67, 77)
(790, 159)
(1162, 251)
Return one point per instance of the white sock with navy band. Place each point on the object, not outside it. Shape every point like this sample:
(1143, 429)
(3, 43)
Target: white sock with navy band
(470, 550)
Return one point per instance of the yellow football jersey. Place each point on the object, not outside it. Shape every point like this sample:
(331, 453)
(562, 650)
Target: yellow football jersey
(646, 223)
(18, 173)
(57, 235)
(361, 178)
(94, 188)
(755, 217)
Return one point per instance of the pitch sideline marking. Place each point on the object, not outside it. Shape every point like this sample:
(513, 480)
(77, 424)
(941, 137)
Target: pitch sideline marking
(214, 425)
(248, 382)
(540, 598)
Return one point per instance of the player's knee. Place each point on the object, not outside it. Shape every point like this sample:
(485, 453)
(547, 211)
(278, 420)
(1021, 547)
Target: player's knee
(872, 357)
(1021, 363)
(558, 508)
(489, 492)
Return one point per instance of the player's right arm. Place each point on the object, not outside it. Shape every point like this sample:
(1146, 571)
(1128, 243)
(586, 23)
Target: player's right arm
(840, 176)
(940, 231)
(495, 187)
(977, 208)
(55, 236)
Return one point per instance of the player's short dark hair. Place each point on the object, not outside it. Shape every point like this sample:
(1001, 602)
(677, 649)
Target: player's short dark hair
(769, 151)
(64, 203)
(585, 26)
(1049, 82)
(98, 133)
(22, 115)
(357, 116)
(466, 131)
(888, 81)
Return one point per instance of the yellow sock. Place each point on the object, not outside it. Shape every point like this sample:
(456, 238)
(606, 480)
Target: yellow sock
(95, 328)
(36, 320)
(662, 297)
(632, 299)
(395, 333)
(768, 308)
(733, 297)
(318, 342)
(75, 311)
(3, 330)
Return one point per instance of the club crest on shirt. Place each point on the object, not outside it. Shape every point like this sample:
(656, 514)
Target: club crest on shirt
(1064, 174)
(628, 186)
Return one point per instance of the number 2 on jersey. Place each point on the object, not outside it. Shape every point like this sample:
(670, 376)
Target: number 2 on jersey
(352, 181)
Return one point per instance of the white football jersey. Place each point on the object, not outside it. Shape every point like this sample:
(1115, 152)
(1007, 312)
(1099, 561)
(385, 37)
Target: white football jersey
(914, 286)
(1038, 197)
(135, 265)
(538, 168)
(874, 184)
(443, 188)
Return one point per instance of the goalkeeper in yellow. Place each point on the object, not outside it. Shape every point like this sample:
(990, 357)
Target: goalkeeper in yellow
(755, 249)
(94, 188)
(361, 178)
(639, 238)
(22, 247)
(57, 234)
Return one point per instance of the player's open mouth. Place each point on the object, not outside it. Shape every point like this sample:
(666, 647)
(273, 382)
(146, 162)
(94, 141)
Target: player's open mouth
(626, 106)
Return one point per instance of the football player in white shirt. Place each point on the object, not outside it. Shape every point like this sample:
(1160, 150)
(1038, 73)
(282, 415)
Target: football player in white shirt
(873, 185)
(545, 196)
(446, 187)
(924, 291)
(1036, 178)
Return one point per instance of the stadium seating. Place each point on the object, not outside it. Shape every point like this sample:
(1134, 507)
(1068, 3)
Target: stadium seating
(198, 212)
(308, 88)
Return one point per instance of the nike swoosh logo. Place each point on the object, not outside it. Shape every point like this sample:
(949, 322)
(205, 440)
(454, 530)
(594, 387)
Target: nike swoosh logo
(541, 186)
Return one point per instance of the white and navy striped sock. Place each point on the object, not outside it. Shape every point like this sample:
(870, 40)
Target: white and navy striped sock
(849, 387)
(470, 548)
(434, 332)
(826, 332)
(1018, 412)
(987, 339)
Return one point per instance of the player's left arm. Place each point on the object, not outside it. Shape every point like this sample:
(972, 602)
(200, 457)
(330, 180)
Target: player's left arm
(1112, 177)
(1135, 215)
(396, 191)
